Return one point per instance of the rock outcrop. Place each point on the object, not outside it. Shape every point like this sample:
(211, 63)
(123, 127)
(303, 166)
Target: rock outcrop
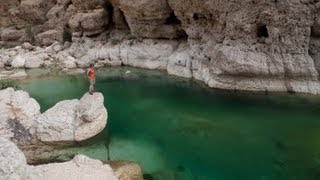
(64, 124)
(13, 165)
(72, 120)
(81, 167)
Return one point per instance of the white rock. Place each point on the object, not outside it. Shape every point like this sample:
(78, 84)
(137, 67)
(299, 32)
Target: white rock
(11, 53)
(80, 168)
(92, 116)
(150, 54)
(57, 124)
(13, 166)
(27, 108)
(35, 61)
(28, 46)
(69, 62)
(18, 62)
(57, 47)
(180, 64)
(12, 161)
(19, 74)
(73, 120)
(16, 107)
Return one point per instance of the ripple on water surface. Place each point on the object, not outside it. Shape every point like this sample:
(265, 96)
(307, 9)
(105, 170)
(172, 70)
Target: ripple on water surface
(179, 129)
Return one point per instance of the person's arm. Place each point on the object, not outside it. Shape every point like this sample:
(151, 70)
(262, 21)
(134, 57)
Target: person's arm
(88, 71)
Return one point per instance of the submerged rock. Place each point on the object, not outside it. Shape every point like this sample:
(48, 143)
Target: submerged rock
(126, 170)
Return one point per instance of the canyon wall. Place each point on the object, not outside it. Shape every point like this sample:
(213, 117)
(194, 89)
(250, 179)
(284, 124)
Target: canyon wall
(271, 45)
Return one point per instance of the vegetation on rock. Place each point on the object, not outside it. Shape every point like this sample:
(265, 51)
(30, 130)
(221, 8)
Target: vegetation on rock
(5, 83)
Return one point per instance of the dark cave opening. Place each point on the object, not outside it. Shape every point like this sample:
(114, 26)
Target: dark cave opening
(109, 8)
(172, 20)
(198, 16)
(262, 31)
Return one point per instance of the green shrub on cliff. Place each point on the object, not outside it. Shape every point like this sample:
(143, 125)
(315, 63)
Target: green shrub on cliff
(29, 34)
(66, 35)
(5, 83)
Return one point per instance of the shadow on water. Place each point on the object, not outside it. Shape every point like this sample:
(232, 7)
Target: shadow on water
(177, 128)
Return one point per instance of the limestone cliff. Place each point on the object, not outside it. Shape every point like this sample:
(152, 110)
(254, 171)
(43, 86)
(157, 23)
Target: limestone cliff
(240, 44)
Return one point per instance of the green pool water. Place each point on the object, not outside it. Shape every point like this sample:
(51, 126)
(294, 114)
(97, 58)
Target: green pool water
(181, 130)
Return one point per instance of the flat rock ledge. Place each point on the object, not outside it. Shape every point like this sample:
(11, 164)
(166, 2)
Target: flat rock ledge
(66, 123)
(13, 166)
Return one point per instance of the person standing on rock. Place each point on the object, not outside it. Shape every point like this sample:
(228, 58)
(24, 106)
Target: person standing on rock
(92, 78)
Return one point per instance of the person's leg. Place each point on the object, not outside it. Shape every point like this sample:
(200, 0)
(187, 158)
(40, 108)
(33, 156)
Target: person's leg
(91, 86)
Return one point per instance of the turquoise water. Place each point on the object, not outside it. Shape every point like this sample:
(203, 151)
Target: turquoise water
(178, 129)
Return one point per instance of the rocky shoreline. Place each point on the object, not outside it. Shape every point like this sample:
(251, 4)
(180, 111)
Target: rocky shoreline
(38, 135)
(168, 55)
(13, 166)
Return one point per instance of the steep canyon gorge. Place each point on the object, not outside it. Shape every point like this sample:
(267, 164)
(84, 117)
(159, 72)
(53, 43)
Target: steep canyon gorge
(271, 45)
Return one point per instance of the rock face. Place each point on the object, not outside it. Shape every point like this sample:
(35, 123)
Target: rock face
(151, 18)
(148, 54)
(73, 120)
(241, 44)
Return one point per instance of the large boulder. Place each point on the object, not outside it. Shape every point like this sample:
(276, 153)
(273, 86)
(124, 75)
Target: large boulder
(150, 18)
(81, 167)
(13, 164)
(73, 120)
(11, 35)
(49, 37)
(60, 14)
(92, 116)
(17, 115)
(91, 23)
(35, 60)
(58, 123)
(33, 11)
(18, 62)
(5, 12)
